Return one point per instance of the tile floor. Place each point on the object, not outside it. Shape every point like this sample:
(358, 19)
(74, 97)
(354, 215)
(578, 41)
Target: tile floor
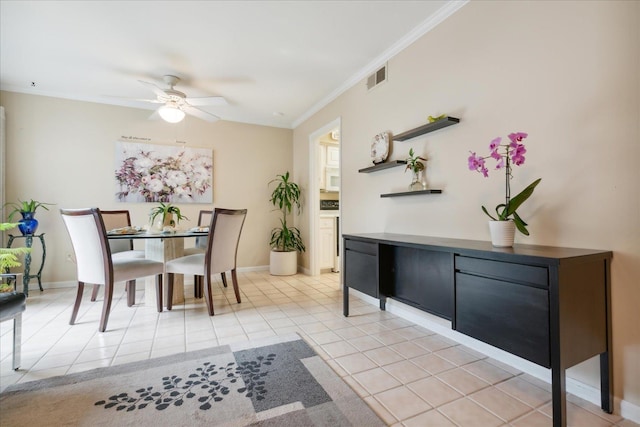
(409, 375)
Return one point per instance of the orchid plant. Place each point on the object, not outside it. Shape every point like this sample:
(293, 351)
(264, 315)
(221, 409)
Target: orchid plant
(506, 155)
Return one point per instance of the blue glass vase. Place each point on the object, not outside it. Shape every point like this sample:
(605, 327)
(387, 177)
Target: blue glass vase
(28, 224)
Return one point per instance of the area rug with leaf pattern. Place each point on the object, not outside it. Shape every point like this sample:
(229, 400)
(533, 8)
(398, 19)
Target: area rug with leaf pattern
(278, 381)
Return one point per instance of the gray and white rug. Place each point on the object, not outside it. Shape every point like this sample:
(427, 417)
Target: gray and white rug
(279, 381)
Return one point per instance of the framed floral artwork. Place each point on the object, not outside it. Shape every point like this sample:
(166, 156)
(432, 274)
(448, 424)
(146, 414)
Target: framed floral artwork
(163, 173)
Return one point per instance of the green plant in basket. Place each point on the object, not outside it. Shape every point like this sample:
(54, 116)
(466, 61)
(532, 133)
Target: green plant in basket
(285, 196)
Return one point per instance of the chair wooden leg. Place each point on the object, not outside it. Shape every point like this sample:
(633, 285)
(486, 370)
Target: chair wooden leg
(94, 294)
(131, 293)
(159, 292)
(234, 279)
(224, 279)
(169, 291)
(197, 287)
(207, 293)
(106, 307)
(76, 305)
(17, 341)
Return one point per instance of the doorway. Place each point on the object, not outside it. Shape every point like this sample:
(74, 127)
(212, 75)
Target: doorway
(324, 195)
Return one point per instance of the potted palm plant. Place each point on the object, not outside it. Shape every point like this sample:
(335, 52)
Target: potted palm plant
(28, 224)
(285, 240)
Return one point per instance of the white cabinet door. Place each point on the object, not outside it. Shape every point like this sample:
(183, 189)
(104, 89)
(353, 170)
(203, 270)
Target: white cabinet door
(327, 242)
(333, 156)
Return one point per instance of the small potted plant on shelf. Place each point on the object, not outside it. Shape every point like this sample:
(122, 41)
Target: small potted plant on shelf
(414, 163)
(9, 259)
(28, 224)
(285, 241)
(163, 216)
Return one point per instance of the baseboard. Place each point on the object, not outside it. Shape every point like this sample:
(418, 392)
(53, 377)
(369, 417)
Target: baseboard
(441, 326)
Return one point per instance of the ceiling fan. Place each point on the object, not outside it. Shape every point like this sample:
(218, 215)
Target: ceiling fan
(176, 103)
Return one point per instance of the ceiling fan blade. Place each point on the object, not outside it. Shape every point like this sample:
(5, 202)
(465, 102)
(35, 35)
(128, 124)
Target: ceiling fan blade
(207, 100)
(196, 112)
(154, 88)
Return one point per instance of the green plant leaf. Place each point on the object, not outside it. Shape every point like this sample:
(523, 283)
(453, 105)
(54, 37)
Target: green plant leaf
(488, 214)
(520, 224)
(519, 199)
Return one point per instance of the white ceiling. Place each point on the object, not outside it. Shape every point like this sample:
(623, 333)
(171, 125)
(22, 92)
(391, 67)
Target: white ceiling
(265, 57)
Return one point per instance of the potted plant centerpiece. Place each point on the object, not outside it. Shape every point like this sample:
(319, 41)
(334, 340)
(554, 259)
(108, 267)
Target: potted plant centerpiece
(285, 241)
(28, 224)
(502, 226)
(163, 216)
(9, 259)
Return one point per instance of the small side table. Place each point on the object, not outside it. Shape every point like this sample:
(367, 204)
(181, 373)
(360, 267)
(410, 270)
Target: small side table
(27, 260)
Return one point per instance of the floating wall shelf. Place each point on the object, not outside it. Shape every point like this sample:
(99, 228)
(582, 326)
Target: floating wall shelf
(411, 193)
(429, 127)
(381, 166)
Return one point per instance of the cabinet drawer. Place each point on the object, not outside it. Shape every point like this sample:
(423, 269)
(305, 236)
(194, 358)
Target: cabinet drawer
(519, 273)
(364, 247)
(361, 272)
(509, 316)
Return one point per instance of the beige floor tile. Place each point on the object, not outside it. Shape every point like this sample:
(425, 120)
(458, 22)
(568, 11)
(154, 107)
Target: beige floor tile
(594, 409)
(432, 418)
(350, 332)
(434, 391)
(462, 381)
(325, 337)
(376, 380)
(579, 417)
(457, 355)
(533, 419)
(525, 391)
(433, 364)
(433, 342)
(406, 372)
(409, 350)
(500, 403)
(383, 356)
(402, 402)
(388, 337)
(487, 371)
(339, 348)
(380, 410)
(365, 343)
(467, 413)
(355, 363)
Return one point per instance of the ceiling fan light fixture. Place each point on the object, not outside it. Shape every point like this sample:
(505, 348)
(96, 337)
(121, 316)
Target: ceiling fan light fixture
(171, 113)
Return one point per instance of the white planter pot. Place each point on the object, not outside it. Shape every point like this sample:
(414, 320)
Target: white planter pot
(502, 233)
(283, 263)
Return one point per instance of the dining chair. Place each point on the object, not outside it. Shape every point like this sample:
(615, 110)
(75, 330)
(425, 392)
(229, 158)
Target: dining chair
(204, 218)
(119, 248)
(220, 256)
(95, 264)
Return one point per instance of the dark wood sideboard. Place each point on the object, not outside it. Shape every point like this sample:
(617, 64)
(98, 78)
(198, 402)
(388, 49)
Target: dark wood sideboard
(548, 305)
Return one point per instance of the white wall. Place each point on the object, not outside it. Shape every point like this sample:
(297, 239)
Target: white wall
(62, 152)
(568, 73)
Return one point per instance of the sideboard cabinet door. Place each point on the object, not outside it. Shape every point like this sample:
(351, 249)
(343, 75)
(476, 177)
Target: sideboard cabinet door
(361, 266)
(510, 316)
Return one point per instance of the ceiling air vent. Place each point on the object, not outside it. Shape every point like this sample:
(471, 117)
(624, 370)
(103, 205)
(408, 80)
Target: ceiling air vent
(377, 78)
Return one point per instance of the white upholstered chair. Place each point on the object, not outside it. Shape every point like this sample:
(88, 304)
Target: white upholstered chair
(119, 248)
(204, 219)
(220, 256)
(95, 264)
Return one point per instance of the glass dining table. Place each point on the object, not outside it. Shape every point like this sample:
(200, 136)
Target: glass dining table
(161, 247)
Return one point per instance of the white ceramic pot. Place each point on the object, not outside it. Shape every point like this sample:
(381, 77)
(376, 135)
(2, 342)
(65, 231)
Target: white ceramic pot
(283, 263)
(502, 233)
